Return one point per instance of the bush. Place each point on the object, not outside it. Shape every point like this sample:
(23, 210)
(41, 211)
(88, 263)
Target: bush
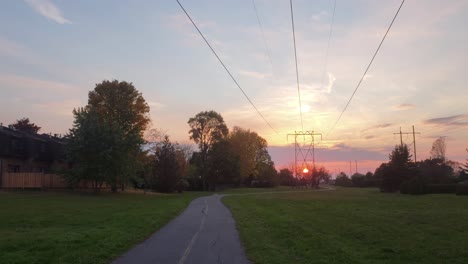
(441, 188)
(182, 185)
(462, 188)
(415, 185)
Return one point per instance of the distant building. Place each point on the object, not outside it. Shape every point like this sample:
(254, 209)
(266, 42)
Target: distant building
(22, 152)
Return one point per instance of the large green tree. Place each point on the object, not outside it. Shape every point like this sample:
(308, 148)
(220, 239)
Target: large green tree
(25, 125)
(206, 129)
(116, 117)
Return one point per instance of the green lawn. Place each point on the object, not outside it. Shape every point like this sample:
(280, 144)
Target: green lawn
(44, 227)
(352, 226)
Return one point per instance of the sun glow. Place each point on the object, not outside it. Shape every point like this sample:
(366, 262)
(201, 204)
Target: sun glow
(305, 170)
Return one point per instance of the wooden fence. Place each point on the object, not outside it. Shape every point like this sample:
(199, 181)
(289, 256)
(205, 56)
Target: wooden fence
(25, 180)
(34, 180)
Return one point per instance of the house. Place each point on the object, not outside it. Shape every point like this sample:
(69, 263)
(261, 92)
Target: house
(22, 152)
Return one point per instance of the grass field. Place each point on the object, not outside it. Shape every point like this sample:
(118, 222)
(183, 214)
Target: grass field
(38, 227)
(352, 226)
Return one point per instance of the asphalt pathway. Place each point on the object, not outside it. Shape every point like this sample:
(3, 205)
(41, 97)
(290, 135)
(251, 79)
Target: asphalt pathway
(204, 233)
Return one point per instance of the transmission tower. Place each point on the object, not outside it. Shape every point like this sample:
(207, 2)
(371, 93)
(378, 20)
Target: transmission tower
(303, 152)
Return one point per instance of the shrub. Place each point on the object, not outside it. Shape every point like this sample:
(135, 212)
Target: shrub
(415, 185)
(182, 185)
(441, 188)
(462, 188)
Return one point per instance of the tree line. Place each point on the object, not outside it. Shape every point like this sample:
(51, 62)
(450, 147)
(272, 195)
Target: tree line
(107, 145)
(433, 175)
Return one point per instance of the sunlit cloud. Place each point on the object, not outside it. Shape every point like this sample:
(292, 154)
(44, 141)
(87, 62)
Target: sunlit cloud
(405, 106)
(47, 9)
(331, 81)
(456, 120)
(377, 127)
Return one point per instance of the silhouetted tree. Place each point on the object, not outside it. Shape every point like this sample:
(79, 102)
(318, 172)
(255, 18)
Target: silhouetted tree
(438, 149)
(343, 180)
(206, 128)
(166, 171)
(359, 180)
(286, 177)
(398, 170)
(24, 125)
(223, 165)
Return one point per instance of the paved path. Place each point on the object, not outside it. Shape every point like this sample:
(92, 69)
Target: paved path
(204, 233)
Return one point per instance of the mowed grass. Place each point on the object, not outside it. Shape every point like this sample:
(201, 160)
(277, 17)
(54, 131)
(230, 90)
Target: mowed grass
(352, 226)
(43, 227)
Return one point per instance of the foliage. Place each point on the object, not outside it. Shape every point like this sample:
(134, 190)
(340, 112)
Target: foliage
(24, 125)
(206, 128)
(462, 188)
(107, 134)
(286, 177)
(438, 149)
(251, 149)
(441, 188)
(223, 165)
(88, 149)
(166, 169)
(436, 171)
(398, 170)
(359, 180)
(350, 225)
(343, 180)
(415, 185)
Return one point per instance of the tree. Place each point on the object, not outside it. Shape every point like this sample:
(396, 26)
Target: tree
(88, 149)
(343, 180)
(251, 149)
(116, 117)
(359, 180)
(438, 149)
(206, 129)
(286, 177)
(166, 170)
(223, 165)
(399, 169)
(24, 125)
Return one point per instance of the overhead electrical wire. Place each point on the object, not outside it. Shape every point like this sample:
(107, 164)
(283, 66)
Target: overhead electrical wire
(328, 45)
(367, 69)
(267, 48)
(225, 68)
(295, 58)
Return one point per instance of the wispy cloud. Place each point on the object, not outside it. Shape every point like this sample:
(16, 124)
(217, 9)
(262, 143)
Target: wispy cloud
(377, 127)
(331, 81)
(401, 107)
(24, 82)
(254, 74)
(456, 120)
(48, 10)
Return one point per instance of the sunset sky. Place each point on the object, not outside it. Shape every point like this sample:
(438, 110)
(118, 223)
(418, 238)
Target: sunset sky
(53, 52)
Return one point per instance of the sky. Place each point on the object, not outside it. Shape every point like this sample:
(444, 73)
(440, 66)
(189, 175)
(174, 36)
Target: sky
(53, 52)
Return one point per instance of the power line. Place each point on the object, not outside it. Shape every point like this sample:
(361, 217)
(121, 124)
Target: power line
(224, 66)
(368, 66)
(328, 45)
(267, 48)
(295, 58)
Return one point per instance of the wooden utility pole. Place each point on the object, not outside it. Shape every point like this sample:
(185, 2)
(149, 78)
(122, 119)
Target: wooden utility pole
(356, 166)
(414, 139)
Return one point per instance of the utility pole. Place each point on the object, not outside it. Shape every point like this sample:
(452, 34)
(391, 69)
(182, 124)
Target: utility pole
(356, 166)
(414, 139)
(350, 170)
(298, 148)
